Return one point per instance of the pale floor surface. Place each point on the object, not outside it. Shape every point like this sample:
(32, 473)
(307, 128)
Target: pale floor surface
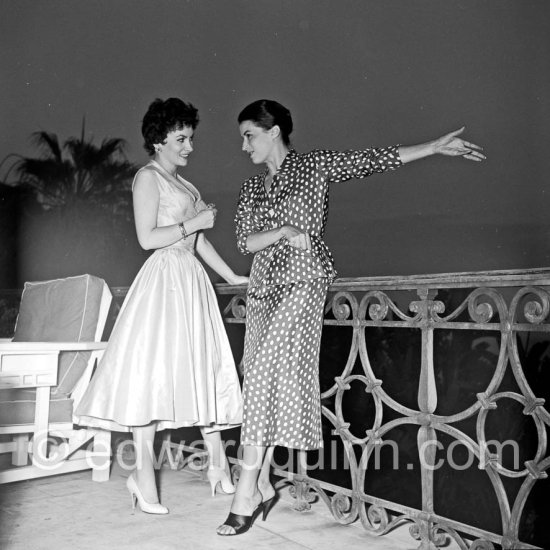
(72, 512)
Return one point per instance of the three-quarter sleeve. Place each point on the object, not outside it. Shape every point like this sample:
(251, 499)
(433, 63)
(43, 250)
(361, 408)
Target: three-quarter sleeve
(340, 166)
(244, 218)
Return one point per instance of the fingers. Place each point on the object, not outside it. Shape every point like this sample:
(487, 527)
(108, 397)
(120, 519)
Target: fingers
(209, 217)
(471, 145)
(301, 241)
(458, 147)
(473, 152)
(474, 155)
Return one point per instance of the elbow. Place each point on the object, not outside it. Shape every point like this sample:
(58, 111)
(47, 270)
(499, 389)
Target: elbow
(242, 247)
(146, 244)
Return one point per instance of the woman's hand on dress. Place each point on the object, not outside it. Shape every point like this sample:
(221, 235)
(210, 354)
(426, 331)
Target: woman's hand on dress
(451, 145)
(296, 237)
(206, 218)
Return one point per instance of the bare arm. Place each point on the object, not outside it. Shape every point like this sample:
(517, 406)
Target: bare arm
(146, 204)
(449, 144)
(209, 254)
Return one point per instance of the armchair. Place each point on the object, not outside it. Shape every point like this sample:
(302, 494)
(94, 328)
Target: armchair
(44, 371)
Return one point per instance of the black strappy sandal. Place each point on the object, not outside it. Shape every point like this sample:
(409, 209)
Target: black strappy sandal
(240, 523)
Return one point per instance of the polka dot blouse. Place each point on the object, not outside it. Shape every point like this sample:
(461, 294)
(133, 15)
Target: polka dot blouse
(299, 196)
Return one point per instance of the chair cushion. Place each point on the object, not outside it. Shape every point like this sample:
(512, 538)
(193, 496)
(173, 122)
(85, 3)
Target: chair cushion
(62, 310)
(17, 406)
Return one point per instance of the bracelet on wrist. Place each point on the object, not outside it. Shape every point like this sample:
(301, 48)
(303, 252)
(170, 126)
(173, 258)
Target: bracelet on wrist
(182, 230)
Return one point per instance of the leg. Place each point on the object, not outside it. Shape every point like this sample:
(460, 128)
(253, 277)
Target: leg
(214, 446)
(145, 471)
(218, 468)
(102, 461)
(247, 497)
(264, 480)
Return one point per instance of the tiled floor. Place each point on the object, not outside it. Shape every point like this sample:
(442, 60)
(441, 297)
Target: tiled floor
(73, 512)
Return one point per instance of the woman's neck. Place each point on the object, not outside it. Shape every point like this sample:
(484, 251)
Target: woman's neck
(275, 160)
(172, 169)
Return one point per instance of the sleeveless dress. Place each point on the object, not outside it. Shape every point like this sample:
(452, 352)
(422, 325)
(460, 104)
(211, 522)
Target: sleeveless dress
(168, 359)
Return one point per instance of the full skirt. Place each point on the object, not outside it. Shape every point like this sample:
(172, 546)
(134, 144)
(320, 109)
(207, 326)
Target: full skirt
(168, 359)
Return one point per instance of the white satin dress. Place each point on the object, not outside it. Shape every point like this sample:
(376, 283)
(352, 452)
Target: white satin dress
(168, 359)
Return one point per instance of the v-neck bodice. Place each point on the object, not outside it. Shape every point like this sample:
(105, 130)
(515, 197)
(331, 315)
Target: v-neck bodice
(179, 200)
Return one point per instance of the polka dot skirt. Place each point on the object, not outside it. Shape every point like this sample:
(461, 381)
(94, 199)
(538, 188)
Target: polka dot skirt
(287, 292)
(281, 385)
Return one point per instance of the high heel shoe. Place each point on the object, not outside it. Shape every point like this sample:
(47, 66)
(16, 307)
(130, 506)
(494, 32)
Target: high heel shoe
(147, 507)
(268, 504)
(218, 476)
(240, 523)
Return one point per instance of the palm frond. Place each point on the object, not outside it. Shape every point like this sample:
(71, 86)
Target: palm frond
(99, 173)
(49, 143)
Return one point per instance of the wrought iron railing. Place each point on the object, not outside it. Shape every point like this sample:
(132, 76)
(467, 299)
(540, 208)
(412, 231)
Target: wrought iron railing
(501, 317)
(433, 393)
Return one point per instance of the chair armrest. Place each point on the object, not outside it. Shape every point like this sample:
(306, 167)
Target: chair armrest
(35, 364)
(37, 347)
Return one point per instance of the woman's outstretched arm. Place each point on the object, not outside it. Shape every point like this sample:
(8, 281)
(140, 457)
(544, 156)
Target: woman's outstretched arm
(449, 144)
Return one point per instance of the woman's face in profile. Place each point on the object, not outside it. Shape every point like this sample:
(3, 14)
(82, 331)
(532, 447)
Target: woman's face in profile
(257, 142)
(177, 146)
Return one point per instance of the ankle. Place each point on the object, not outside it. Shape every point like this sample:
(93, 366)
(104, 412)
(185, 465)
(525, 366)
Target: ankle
(246, 504)
(265, 488)
(218, 462)
(219, 469)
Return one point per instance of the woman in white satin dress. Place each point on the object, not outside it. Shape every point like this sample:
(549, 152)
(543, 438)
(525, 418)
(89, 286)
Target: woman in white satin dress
(168, 363)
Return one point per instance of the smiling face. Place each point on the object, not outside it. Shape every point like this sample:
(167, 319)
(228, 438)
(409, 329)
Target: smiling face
(177, 146)
(257, 142)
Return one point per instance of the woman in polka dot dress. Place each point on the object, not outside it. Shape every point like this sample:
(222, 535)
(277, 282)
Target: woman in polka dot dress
(281, 219)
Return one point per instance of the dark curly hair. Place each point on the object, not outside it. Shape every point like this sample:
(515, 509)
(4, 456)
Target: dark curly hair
(164, 116)
(267, 113)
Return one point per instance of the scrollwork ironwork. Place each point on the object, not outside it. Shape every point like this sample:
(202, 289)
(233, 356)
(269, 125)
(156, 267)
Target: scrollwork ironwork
(237, 307)
(342, 508)
(378, 311)
(374, 518)
(482, 544)
(340, 308)
(536, 310)
(501, 305)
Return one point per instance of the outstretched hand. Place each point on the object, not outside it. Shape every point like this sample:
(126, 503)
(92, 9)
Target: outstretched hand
(451, 145)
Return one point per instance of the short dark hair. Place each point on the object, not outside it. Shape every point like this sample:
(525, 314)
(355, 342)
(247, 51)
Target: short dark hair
(267, 113)
(165, 116)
